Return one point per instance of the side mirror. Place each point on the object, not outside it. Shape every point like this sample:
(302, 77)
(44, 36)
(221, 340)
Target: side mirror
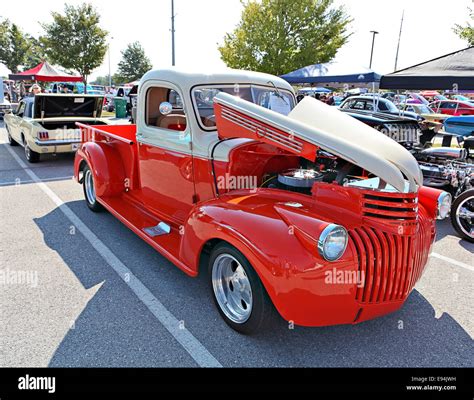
(166, 108)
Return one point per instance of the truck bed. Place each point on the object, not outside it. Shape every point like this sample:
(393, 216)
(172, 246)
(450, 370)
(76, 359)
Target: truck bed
(100, 132)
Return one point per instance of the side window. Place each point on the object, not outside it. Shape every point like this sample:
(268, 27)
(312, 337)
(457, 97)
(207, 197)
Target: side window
(348, 104)
(382, 106)
(369, 105)
(29, 110)
(158, 115)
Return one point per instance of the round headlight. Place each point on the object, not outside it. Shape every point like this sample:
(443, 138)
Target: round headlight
(332, 242)
(444, 205)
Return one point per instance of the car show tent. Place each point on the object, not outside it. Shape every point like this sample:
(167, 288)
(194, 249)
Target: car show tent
(332, 72)
(44, 72)
(454, 70)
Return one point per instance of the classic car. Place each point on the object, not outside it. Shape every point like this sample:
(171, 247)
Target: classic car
(45, 123)
(453, 107)
(279, 203)
(375, 103)
(405, 131)
(426, 112)
(460, 97)
(462, 126)
(5, 105)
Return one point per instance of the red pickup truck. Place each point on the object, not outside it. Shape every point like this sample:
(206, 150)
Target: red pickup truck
(277, 201)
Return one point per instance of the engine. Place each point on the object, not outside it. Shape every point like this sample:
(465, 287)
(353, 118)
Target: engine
(301, 180)
(440, 154)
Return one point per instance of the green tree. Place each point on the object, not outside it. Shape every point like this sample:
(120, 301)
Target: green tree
(466, 32)
(134, 63)
(279, 36)
(103, 80)
(35, 53)
(75, 40)
(13, 46)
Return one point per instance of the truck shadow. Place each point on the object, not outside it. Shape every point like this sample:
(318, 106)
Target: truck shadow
(116, 330)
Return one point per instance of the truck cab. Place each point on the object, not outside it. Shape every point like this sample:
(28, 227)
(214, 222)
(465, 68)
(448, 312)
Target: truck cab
(224, 172)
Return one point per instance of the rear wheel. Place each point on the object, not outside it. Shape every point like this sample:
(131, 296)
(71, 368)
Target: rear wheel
(462, 215)
(31, 156)
(89, 190)
(237, 290)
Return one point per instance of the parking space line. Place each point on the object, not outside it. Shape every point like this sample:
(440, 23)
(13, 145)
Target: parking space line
(25, 182)
(185, 338)
(454, 262)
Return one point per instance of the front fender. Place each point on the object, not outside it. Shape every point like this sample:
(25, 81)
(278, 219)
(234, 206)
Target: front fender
(291, 271)
(106, 165)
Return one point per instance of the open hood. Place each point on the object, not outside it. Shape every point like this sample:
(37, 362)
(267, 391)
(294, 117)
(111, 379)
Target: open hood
(67, 105)
(312, 125)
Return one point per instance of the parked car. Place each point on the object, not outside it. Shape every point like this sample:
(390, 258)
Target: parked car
(45, 123)
(5, 105)
(5, 108)
(462, 212)
(405, 131)
(378, 104)
(273, 200)
(462, 126)
(432, 119)
(453, 107)
(97, 89)
(460, 97)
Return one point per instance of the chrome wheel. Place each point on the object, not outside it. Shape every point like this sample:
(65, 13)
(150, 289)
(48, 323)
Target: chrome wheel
(232, 288)
(465, 216)
(89, 186)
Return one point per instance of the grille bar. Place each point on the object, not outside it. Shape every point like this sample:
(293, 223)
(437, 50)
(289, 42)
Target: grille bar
(390, 264)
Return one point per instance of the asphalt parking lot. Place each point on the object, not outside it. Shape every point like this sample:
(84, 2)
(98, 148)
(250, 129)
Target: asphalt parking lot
(104, 298)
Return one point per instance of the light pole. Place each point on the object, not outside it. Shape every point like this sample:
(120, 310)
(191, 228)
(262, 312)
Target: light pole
(110, 73)
(172, 34)
(372, 51)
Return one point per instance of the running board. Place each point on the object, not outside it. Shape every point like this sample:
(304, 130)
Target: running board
(163, 237)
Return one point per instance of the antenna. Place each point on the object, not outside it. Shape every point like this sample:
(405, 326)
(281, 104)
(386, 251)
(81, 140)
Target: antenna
(172, 34)
(399, 37)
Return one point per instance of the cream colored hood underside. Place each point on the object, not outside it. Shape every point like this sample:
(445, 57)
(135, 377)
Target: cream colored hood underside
(342, 135)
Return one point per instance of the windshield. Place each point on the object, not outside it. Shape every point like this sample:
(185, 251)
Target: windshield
(422, 109)
(279, 100)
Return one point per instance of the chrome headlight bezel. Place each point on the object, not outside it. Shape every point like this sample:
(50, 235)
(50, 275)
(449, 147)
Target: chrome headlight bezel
(443, 206)
(324, 238)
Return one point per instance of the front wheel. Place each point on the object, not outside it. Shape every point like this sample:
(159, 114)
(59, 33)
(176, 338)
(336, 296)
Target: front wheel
(11, 141)
(462, 215)
(89, 190)
(237, 290)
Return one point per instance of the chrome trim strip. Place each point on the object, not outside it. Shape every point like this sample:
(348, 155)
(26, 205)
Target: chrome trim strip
(261, 130)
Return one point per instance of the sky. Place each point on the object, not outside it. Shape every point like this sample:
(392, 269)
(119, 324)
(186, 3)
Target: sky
(202, 24)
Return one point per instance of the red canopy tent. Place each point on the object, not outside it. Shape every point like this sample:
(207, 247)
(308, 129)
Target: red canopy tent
(45, 73)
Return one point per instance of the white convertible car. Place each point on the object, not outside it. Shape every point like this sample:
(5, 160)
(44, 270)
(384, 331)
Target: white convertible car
(45, 123)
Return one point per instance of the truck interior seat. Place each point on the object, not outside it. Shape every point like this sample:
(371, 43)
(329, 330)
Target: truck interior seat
(175, 122)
